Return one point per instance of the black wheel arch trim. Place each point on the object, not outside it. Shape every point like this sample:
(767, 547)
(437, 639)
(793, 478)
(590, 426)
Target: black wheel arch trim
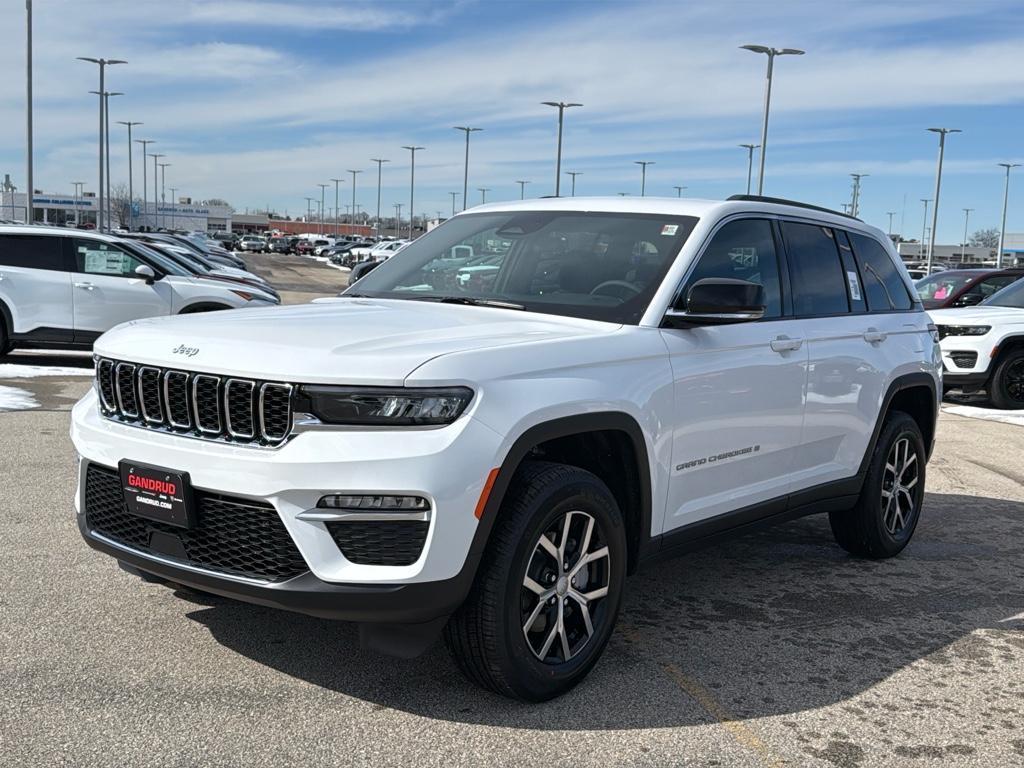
(203, 306)
(900, 383)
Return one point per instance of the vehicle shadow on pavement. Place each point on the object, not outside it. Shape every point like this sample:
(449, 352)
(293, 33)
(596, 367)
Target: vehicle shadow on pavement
(779, 621)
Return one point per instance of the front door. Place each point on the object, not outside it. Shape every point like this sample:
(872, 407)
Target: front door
(739, 389)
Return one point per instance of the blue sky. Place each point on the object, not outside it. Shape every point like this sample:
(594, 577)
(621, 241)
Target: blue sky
(257, 101)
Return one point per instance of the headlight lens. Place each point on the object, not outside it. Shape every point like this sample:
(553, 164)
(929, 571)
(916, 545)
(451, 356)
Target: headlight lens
(963, 330)
(384, 407)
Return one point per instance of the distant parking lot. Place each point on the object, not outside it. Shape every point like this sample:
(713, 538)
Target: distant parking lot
(774, 649)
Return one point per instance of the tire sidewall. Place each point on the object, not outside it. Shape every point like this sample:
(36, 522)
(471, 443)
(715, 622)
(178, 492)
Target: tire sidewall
(1000, 398)
(530, 677)
(898, 429)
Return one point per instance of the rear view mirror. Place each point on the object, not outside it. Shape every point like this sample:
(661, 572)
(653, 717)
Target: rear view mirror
(146, 273)
(718, 301)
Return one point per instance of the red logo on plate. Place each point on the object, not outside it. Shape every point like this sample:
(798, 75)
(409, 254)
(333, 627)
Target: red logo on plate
(149, 484)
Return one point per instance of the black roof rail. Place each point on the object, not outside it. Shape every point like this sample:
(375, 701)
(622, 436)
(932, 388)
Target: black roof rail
(783, 201)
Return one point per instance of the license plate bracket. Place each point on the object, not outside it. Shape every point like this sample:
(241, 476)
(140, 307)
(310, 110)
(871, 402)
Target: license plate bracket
(157, 493)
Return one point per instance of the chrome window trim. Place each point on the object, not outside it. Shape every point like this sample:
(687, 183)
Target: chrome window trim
(117, 389)
(142, 397)
(288, 388)
(195, 403)
(167, 399)
(227, 408)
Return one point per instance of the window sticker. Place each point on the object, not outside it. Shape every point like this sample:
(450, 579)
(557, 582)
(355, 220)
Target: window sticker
(102, 262)
(669, 230)
(854, 285)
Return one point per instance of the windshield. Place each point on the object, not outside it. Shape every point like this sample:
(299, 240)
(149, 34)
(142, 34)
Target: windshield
(941, 286)
(155, 257)
(1011, 296)
(599, 266)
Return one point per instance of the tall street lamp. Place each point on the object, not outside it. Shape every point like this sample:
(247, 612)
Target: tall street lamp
(103, 66)
(78, 196)
(574, 174)
(322, 188)
(963, 244)
(309, 209)
(163, 191)
(771, 53)
(412, 185)
(174, 204)
(483, 194)
(855, 199)
(1006, 197)
(145, 194)
(938, 185)
(522, 189)
(643, 175)
(29, 208)
(465, 171)
(561, 106)
(106, 149)
(398, 219)
(336, 209)
(455, 196)
(156, 197)
(353, 194)
(380, 163)
(679, 190)
(750, 161)
(890, 214)
(924, 229)
(131, 188)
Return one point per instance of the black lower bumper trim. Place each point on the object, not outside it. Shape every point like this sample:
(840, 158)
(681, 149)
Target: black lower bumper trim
(967, 381)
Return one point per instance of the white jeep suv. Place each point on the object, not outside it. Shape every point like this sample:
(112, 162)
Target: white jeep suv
(492, 456)
(64, 287)
(983, 347)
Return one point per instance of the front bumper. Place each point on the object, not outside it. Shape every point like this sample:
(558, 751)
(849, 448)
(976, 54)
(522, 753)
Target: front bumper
(447, 466)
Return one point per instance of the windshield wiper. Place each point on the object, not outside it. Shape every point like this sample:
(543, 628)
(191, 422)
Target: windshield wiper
(477, 302)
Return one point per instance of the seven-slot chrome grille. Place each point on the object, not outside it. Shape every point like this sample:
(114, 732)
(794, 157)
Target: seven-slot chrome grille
(203, 405)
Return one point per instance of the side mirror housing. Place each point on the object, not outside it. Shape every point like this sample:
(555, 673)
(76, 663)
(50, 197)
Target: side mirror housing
(718, 301)
(146, 273)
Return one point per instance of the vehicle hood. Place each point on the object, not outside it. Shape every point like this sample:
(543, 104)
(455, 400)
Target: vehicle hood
(978, 316)
(350, 341)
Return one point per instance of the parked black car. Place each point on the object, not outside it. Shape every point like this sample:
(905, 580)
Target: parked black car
(282, 244)
(227, 239)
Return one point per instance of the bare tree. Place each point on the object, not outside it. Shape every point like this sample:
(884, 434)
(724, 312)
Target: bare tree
(121, 205)
(985, 238)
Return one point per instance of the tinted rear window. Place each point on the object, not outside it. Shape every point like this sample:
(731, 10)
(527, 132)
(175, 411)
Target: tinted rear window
(33, 252)
(815, 272)
(883, 285)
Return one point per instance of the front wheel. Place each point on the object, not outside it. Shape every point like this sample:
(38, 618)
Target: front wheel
(546, 599)
(883, 520)
(1006, 390)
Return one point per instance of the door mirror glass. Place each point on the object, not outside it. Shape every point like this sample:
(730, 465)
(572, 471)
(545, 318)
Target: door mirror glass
(146, 273)
(719, 301)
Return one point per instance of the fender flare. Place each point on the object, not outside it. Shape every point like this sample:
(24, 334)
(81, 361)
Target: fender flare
(202, 306)
(897, 385)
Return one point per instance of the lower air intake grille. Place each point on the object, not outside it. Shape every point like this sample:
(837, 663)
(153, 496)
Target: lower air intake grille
(380, 542)
(964, 359)
(235, 536)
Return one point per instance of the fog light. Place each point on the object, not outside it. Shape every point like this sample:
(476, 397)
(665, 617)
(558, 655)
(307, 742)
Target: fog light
(375, 503)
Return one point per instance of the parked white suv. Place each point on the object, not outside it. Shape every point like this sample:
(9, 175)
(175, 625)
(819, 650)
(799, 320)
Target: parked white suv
(983, 346)
(492, 457)
(64, 287)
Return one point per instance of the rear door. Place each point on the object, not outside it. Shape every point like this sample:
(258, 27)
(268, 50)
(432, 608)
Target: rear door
(108, 292)
(35, 284)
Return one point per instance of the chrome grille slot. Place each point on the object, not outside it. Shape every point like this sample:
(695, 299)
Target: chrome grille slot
(193, 404)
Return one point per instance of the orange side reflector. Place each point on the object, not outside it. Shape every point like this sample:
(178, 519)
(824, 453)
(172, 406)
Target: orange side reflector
(485, 493)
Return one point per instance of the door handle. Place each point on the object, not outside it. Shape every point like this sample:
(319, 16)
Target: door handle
(786, 344)
(875, 336)
(86, 286)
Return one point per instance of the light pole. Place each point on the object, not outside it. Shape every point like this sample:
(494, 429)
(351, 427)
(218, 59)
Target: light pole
(131, 187)
(465, 171)
(483, 194)
(78, 196)
(890, 214)
(963, 245)
(29, 208)
(353, 194)
(938, 185)
(103, 66)
(309, 209)
(574, 174)
(771, 53)
(398, 220)
(561, 106)
(163, 190)
(750, 161)
(1006, 197)
(145, 194)
(173, 204)
(454, 197)
(322, 188)
(522, 189)
(855, 199)
(337, 210)
(380, 163)
(412, 185)
(679, 190)
(106, 148)
(643, 175)
(924, 229)
(156, 197)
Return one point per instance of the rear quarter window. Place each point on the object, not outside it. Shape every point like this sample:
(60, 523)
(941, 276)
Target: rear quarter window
(883, 285)
(32, 252)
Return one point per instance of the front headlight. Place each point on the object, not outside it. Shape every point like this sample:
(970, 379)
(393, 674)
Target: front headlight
(378, 406)
(963, 330)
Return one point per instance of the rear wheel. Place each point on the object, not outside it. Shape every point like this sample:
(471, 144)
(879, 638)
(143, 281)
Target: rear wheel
(544, 604)
(1006, 389)
(886, 514)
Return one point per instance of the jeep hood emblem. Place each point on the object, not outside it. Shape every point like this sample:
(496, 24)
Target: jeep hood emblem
(181, 349)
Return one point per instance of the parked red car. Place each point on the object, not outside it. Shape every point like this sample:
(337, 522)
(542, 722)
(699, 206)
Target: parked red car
(304, 247)
(964, 287)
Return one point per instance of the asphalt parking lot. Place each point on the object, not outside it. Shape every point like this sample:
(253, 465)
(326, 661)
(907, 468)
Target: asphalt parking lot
(774, 649)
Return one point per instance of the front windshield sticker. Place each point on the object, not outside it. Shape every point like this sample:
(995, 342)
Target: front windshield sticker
(669, 230)
(854, 285)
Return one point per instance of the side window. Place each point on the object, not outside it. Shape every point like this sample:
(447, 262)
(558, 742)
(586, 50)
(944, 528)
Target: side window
(883, 285)
(983, 289)
(93, 257)
(853, 278)
(745, 250)
(815, 271)
(32, 252)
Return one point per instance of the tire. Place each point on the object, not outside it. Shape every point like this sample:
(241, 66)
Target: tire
(1006, 388)
(880, 525)
(486, 635)
(5, 345)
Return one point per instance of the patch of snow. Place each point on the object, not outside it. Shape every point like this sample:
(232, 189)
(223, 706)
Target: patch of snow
(986, 414)
(16, 371)
(14, 399)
